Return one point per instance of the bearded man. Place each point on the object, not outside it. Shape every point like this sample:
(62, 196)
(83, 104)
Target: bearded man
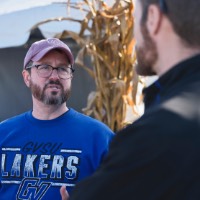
(52, 144)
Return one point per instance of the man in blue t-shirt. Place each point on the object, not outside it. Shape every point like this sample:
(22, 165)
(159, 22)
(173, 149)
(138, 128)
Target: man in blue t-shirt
(51, 145)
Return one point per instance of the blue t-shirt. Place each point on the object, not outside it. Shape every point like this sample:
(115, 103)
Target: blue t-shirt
(39, 156)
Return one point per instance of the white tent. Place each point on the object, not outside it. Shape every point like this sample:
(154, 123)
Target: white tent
(18, 16)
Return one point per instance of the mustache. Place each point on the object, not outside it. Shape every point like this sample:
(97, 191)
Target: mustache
(54, 82)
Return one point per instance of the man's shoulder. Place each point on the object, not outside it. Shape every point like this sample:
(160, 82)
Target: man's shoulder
(86, 118)
(13, 120)
(83, 120)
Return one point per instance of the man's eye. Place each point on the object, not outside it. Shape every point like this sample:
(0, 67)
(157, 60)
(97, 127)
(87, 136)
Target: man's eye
(45, 67)
(63, 69)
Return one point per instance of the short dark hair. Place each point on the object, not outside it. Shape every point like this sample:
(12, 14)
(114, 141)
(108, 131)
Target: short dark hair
(184, 16)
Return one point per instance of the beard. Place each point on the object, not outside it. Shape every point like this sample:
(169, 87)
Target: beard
(50, 99)
(146, 55)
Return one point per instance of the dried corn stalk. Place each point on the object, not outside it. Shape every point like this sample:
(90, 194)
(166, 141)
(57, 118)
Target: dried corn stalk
(107, 36)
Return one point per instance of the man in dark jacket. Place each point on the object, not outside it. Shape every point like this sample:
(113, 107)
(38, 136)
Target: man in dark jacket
(158, 156)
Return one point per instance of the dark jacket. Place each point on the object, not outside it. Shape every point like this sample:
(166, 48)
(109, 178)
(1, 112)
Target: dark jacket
(158, 156)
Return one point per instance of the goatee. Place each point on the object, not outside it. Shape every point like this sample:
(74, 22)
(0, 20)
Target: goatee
(52, 98)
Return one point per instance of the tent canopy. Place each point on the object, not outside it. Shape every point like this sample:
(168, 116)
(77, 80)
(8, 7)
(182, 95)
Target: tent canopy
(18, 17)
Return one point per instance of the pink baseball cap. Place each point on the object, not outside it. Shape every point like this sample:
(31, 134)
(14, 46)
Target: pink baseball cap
(40, 48)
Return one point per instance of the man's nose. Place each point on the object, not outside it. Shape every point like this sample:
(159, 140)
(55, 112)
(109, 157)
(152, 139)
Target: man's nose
(54, 73)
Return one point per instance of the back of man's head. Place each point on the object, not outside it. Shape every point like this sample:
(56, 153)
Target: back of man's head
(184, 16)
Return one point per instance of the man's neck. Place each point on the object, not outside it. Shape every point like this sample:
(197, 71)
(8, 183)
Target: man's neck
(172, 57)
(48, 112)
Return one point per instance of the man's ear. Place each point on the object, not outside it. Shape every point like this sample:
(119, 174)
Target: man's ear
(26, 76)
(153, 22)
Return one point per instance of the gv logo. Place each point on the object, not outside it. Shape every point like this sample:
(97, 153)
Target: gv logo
(30, 189)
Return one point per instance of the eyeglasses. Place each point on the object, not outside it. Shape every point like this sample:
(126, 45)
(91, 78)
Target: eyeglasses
(45, 71)
(163, 6)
